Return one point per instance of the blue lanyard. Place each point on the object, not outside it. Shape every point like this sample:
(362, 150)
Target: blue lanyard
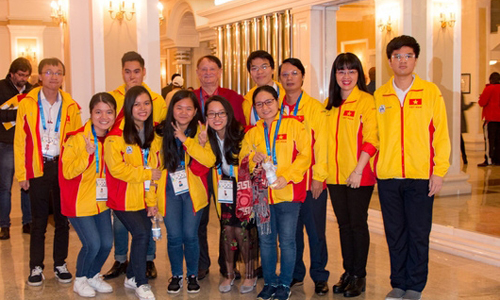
(255, 112)
(231, 170)
(268, 143)
(145, 154)
(96, 150)
(42, 115)
(202, 103)
(295, 109)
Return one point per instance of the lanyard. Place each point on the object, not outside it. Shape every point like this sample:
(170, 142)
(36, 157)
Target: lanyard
(295, 109)
(96, 150)
(255, 112)
(202, 100)
(268, 143)
(42, 115)
(231, 170)
(145, 154)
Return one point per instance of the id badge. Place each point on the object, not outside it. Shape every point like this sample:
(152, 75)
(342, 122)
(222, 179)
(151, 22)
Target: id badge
(225, 192)
(179, 182)
(101, 189)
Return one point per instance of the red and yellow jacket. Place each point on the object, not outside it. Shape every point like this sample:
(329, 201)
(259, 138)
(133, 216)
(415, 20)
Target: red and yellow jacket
(196, 176)
(126, 171)
(352, 128)
(414, 140)
(312, 113)
(27, 141)
(159, 104)
(293, 154)
(77, 175)
(248, 104)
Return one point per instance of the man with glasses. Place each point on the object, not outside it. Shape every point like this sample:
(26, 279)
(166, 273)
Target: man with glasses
(14, 86)
(44, 117)
(260, 65)
(412, 161)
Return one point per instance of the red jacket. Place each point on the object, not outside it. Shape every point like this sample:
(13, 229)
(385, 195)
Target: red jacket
(490, 102)
(234, 98)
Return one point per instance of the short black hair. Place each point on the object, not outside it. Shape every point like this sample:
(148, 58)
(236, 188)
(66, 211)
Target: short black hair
(104, 98)
(264, 88)
(494, 78)
(175, 75)
(132, 56)
(400, 42)
(294, 62)
(20, 64)
(260, 54)
(211, 58)
(53, 61)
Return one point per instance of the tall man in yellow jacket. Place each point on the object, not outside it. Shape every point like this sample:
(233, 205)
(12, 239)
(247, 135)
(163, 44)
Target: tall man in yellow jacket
(44, 117)
(413, 159)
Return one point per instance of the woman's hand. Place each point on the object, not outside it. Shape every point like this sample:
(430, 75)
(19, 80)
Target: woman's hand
(203, 136)
(279, 183)
(152, 211)
(259, 157)
(316, 188)
(179, 133)
(155, 174)
(354, 180)
(90, 147)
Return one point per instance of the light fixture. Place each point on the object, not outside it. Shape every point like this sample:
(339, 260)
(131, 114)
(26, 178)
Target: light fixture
(58, 12)
(160, 12)
(122, 12)
(493, 62)
(447, 21)
(387, 25)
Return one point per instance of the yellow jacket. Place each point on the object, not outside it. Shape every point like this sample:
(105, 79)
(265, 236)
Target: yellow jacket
(78, 175)
(414, 140)
(159, 104)
(27, 142)
(248, 103)
(352, 128)
(293, 154)
(126, 171)
(196, 175)
(312, 113)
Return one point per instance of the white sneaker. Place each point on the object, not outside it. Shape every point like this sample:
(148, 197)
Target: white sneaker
(82, 288)
(144, 292)
(99, 285)
(130, 283)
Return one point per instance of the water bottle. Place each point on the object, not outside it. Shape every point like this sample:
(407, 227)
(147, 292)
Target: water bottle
(270, 172)
(155, 228)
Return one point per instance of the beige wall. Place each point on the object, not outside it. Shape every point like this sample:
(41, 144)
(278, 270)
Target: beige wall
(5, 50)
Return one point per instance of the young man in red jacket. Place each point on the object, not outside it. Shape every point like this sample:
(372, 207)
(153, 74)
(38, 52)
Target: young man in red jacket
(490, 102)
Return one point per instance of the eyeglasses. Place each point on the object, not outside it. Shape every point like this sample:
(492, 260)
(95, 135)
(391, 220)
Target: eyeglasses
(256, 68)
(220, 114)
(267, 102)
(293, 74)
(351, 72)
(403, 57)
(50, 73)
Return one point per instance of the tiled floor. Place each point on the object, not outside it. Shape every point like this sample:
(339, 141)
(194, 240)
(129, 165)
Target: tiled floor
(451, 277)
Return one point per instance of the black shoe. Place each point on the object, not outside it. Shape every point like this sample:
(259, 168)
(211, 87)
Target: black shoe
(193, 286)
(267, 292)
(117, 269)
(175, 285)
(356, 286)
(5, 233)
(296, 282)
(151, 270)
(321, 287)
(36, 276)
(258, 272)
(27, 228)
(62, 274)
(203, 273)
(237, 274)
(483, 164)
(340, 286)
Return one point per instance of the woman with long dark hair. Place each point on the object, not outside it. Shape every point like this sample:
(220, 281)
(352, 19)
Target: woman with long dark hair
(130, 153)
(352, 141)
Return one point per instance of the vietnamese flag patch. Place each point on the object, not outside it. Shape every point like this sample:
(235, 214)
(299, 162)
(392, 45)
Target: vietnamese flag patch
(415, 101)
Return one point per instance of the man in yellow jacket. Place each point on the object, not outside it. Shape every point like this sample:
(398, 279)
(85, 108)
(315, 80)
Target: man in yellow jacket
(412, 161)
(44, 117)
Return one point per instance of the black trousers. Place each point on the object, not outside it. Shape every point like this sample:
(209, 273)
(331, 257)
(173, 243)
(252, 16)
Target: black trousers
(204, 261)
(44, 191)
(351, 209)
(407, 213)
(492, 138)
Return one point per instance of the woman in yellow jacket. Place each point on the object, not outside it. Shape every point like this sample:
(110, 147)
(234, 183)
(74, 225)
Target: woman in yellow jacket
(82, 182)
(182, 191)
(352, 140)
(128, 155)
(282, 145)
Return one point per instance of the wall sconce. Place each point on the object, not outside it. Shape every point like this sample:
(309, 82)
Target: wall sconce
(58, 12)
(29, 53)
(387, 25)
(450, 21)
(160, 12)
(122, 12)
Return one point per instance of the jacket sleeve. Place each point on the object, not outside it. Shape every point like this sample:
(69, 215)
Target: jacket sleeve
(19, 143)
(295, 173)
(75, 159)
(370, 128)
(204, 155)
(118, 167)
(441, 140)
(8, 115)
(318, 127)
(247, 149)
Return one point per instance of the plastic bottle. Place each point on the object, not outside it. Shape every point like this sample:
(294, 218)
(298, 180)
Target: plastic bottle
(270, 172)
(155, 228)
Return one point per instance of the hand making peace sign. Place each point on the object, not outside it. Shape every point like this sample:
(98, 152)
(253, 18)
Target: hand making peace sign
(203, 137)
(89, 146)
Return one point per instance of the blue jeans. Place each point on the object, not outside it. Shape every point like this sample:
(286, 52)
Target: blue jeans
(284, 218)
(120, 234)
(96, 236)
(7, 169)
(139, 225)
(182, 232)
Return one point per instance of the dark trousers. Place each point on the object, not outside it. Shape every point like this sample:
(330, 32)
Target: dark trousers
(351, 209)
(204, 261)
(492, 137)
(312, 215)
(139, 226)
(407, 213)
(44, 190)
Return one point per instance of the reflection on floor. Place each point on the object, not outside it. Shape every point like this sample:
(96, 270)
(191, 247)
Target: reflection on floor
(451, 277)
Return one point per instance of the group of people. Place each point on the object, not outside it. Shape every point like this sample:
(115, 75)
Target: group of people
(267, 160)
